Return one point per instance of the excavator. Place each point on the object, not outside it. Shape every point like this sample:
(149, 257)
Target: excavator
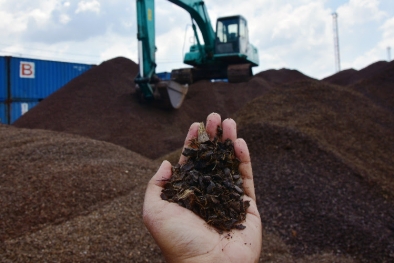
(224, 54)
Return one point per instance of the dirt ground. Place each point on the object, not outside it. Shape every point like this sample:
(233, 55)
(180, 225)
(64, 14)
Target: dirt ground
(75, 168)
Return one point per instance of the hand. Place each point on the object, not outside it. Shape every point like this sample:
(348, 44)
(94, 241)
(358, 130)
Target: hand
(185, 237)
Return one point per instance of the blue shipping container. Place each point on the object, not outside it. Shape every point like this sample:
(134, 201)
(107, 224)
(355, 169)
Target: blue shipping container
(17, 109)
(3, 113)
(10, 112)
(33, 79)
(164, 75)
(3, 79)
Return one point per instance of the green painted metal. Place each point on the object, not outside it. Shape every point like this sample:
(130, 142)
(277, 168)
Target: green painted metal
(146, 45)
(199, 14)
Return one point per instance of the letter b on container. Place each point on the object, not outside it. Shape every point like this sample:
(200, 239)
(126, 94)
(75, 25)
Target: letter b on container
(27, 70)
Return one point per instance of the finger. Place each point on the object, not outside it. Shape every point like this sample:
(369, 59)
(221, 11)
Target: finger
(245, 167)
(192, 133)
(229, 129)
(213, 121)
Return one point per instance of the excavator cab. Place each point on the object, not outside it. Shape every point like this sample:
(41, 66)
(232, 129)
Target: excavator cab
(232, 47)
(232, 38)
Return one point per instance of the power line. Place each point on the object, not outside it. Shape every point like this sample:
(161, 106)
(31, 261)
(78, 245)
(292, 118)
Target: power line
(22, 54)
(18, 54)
(53, 52)
(63, 53)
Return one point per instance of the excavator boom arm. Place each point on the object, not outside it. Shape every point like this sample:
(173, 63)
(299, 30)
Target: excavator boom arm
(199, 13)
(146, 45)
(169, 93)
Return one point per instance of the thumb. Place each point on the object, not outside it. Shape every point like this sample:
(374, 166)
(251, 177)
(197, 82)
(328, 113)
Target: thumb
(157, 182)
(152, 198)
(162, 175)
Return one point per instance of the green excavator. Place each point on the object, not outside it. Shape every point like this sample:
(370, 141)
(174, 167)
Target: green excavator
(224, 54)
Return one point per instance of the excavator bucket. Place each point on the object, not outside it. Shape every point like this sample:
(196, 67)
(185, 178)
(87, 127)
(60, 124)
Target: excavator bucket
(170, 94)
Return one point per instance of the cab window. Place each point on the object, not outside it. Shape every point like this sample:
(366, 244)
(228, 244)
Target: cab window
(227, 30)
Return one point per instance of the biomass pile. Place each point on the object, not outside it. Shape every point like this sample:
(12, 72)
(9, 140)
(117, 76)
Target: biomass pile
(351, 76)
(282, 76)
(323, 170)
(321, 156)
(100, 104)
(375, 82)
(379, 88)
(71, 199)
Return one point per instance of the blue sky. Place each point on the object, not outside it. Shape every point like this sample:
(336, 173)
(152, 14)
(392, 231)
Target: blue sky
(293, 34)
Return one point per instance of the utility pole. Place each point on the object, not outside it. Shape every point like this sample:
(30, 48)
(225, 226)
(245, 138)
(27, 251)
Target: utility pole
(336, 42)
(388, 54)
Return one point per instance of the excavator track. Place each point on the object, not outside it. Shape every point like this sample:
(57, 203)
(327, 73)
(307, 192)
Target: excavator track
(235, 74)
(183, 75)
(239, 73)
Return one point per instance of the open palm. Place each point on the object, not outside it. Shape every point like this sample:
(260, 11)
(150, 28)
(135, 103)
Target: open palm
(185, 237)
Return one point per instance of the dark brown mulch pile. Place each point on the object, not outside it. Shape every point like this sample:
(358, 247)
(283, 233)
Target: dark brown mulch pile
(99, 104)
(323, 170)
(281, 76)
(49, 177)
(342, 78)
(380, 87)
(314, 201)
(343, 121)
(351, 76)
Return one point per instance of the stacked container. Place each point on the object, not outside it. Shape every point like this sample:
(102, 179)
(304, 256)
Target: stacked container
(3, 90)
(164, 75)
(24, 82)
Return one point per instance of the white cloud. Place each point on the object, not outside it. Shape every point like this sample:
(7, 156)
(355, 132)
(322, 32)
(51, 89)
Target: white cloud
(296, 35)
(11, 23)
(359, 12)
(16, 20)
(88, 6)
(116, 46)
(64, 19)
(172, 54)
(365, 59)
(388, 32)
(40, 16)
(379, 51)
